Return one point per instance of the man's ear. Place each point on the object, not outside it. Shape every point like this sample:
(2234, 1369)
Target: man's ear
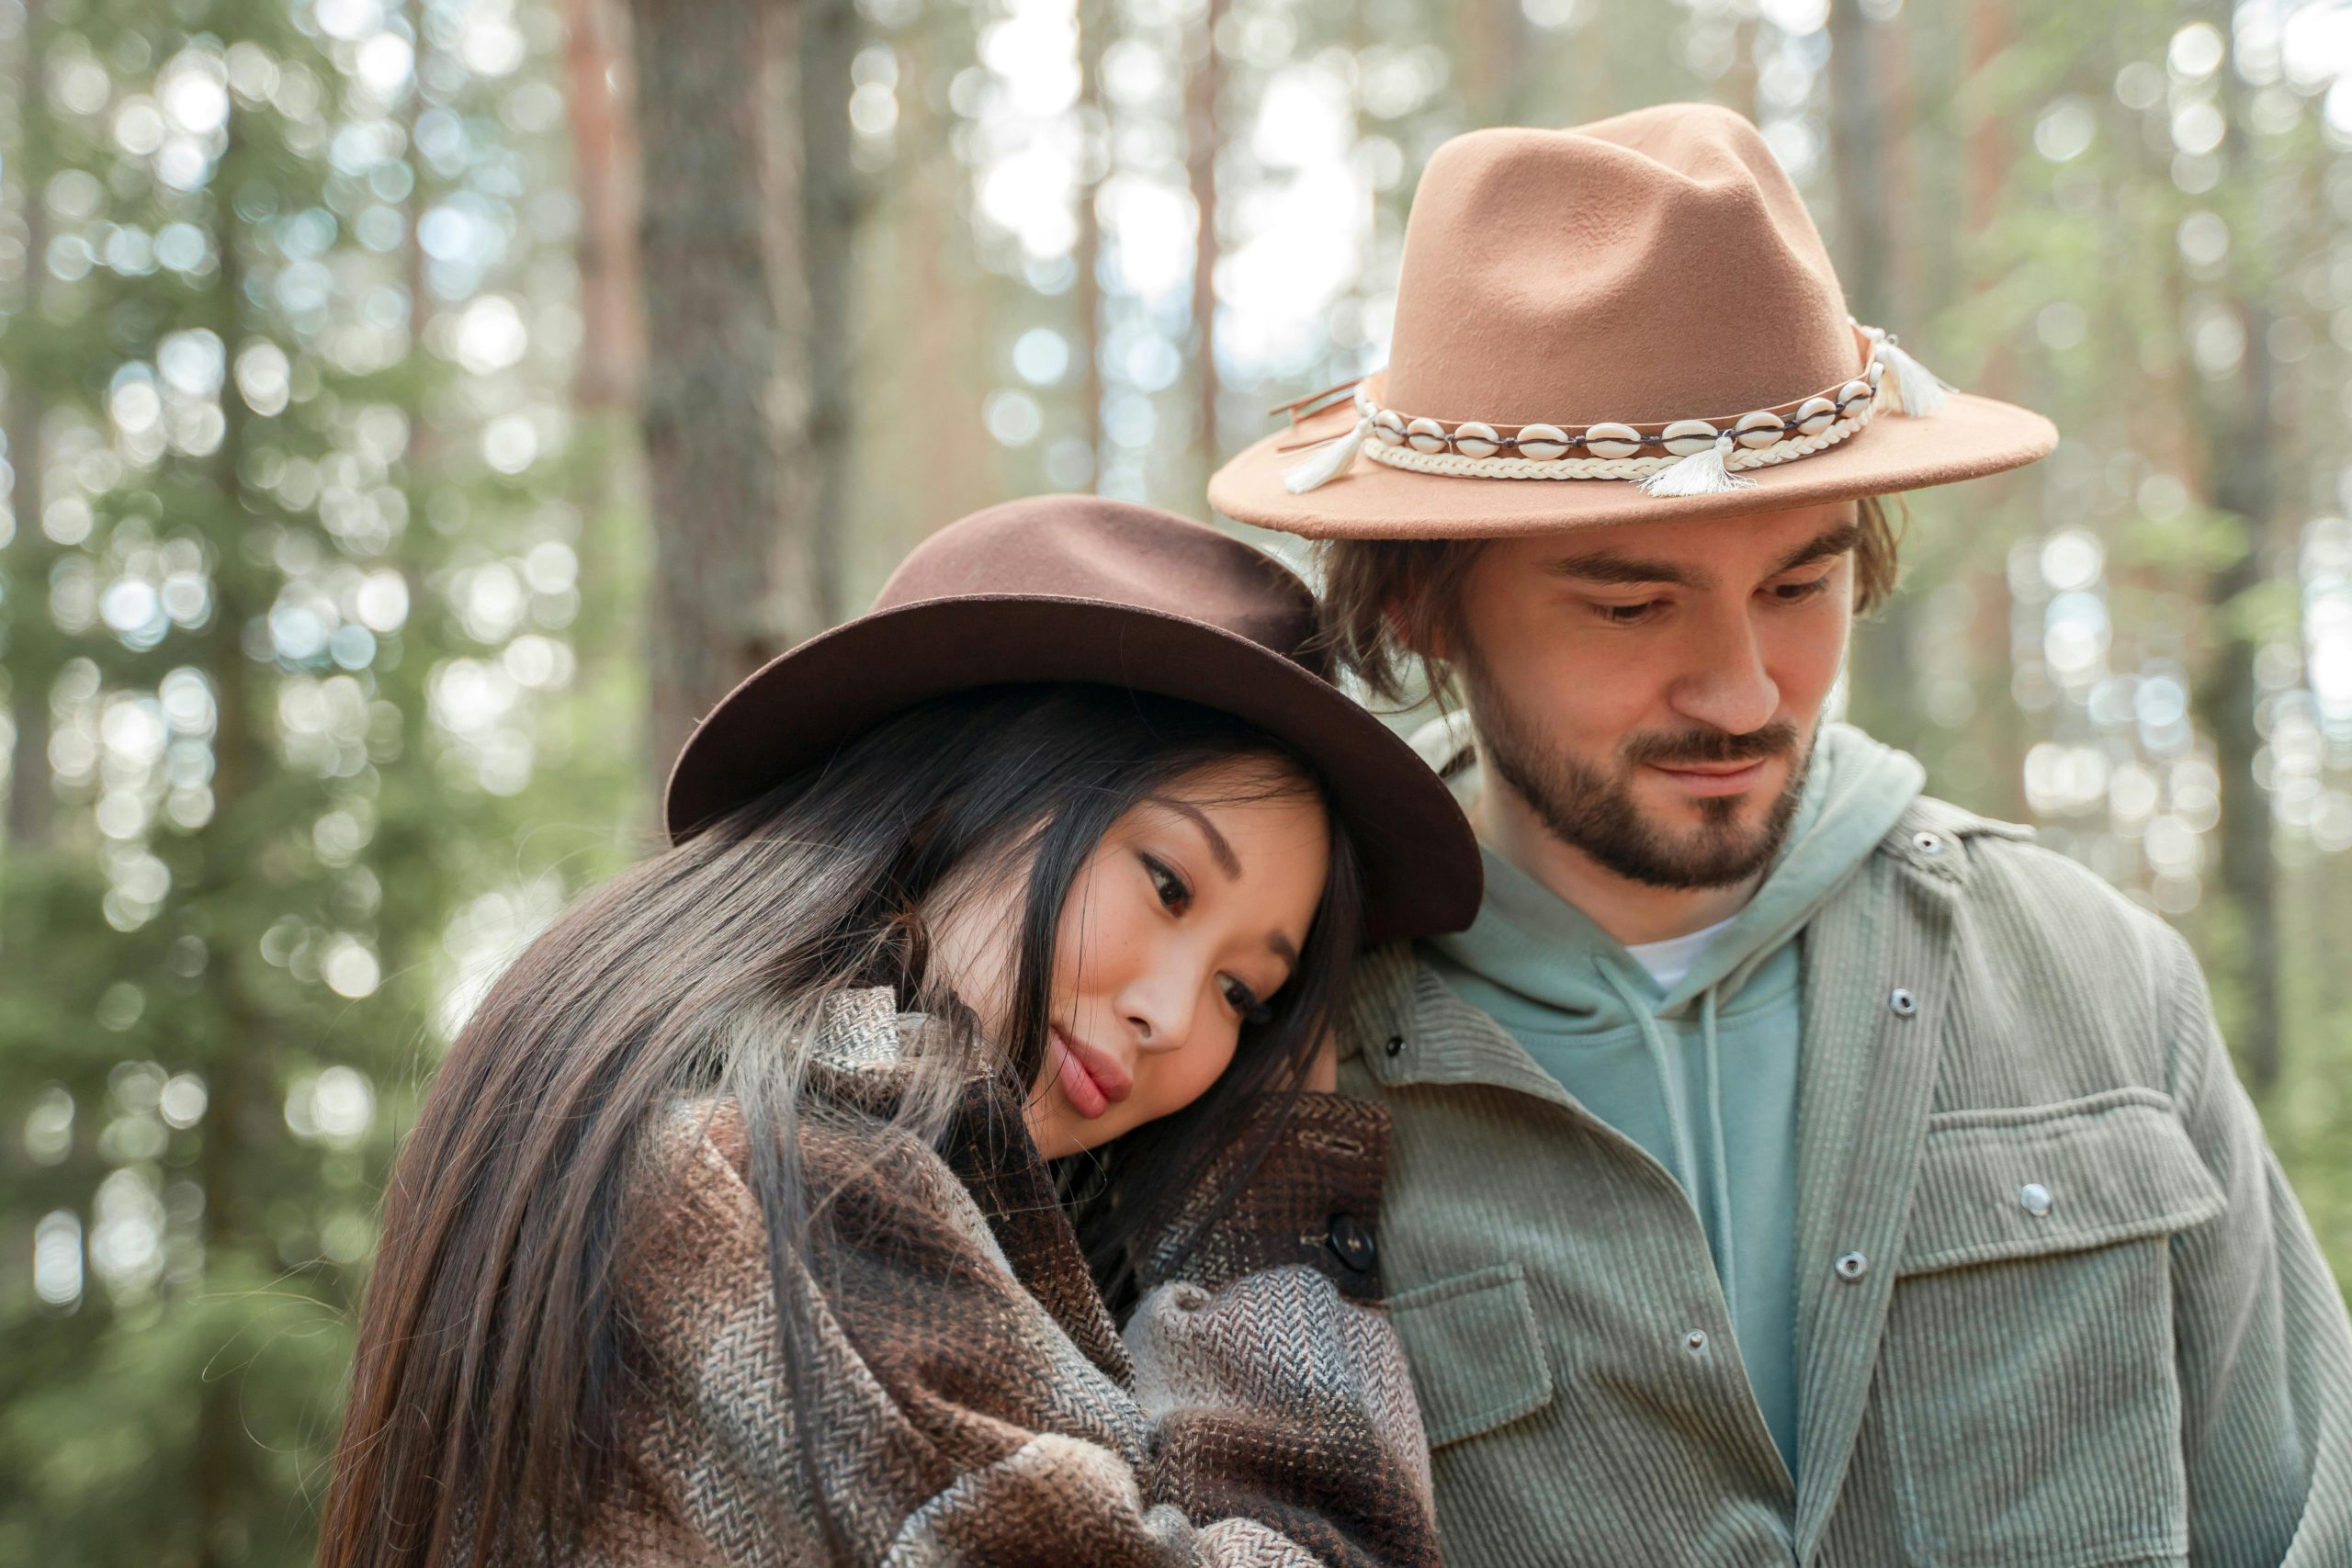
(1433, 645)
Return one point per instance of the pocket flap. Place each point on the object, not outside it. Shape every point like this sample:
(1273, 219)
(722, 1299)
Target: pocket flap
(1475, 1357)
(2013, 1183)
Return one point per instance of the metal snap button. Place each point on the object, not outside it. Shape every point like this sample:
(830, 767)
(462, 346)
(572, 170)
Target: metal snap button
(1903, 1003)
(1395, 1044)
(1351, 1243)
(1852, 1267)
(1695, 1341)
(1928, 844)
(2034, 1198)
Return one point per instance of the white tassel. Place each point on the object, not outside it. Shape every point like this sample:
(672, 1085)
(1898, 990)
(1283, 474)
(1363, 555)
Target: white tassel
(1327, 462)
(1919, 392)
(1702, 473)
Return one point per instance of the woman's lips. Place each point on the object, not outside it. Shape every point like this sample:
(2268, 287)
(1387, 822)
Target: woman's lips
(1092, 1081)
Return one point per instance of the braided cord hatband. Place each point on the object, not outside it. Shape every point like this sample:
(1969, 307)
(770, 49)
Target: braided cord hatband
(1688, 456)
(1786, 450)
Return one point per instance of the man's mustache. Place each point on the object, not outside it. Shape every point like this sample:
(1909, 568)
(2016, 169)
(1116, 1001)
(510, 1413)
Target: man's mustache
(1717, 747)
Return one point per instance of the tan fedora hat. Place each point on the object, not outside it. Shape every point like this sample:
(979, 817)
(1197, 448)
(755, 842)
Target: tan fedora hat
(1628, 321)
(1070, 588)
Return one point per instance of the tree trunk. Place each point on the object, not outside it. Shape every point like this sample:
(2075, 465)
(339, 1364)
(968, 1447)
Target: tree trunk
(2242, 455)
(1855, 137)
(2242, 460)
(1094, 22)
(1884, 683)
(32, 808)
(598, 86)
(1739, 82)
(236, 1076)
(31, 660)
(726, 404)
(832, 208)
(1201, 91)
(942, 353)
(1494, 60)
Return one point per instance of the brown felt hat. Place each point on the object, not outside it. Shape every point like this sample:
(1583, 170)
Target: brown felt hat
(1629, 321)
(1071, 588)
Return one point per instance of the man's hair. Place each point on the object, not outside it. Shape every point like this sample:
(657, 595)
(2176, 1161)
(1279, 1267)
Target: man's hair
(1385, 600)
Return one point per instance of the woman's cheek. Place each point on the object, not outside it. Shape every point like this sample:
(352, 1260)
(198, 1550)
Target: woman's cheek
(1200, 1074)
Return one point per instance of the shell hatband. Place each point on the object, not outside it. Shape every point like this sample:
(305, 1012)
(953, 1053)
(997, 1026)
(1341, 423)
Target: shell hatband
(1687, 457)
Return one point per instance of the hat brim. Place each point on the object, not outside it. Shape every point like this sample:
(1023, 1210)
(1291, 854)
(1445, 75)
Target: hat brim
(1421, 862)
(1968, 438)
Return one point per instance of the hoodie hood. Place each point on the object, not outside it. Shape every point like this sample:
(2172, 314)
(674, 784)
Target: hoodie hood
(1528, 941)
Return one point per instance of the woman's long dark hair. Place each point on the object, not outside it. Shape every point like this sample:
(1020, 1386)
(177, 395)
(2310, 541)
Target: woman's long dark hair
(486, 1394)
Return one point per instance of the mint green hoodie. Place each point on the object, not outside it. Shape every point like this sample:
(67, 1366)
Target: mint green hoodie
(1703, 1077)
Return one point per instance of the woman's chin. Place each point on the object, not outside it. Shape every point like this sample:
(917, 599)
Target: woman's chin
(1050, 1130)
(1060, 1132)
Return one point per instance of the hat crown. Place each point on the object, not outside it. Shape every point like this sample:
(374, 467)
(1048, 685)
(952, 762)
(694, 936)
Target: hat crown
(1113, 552)
(1654, 267)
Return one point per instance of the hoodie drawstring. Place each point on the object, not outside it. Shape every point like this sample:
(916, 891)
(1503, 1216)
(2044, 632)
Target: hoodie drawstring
(1713, 1060)
(1670, 1087)
(1669, 1082)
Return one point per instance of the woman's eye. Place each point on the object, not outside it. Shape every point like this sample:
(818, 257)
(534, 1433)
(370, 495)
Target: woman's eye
(1174, 896)
(1245, 1002)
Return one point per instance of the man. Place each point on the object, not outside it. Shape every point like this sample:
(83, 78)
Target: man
(1790, 1168)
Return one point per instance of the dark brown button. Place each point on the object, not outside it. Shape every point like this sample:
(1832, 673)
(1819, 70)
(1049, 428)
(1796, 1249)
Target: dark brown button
(1395, 1044)
(1351, 1243)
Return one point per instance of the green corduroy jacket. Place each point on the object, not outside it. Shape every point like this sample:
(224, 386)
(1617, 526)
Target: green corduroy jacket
(2056, 1304)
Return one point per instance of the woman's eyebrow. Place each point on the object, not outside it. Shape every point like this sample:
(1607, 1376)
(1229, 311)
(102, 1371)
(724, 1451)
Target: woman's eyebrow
(1222, 851)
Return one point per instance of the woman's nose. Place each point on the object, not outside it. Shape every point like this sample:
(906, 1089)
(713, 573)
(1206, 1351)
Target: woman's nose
(1159, 1011)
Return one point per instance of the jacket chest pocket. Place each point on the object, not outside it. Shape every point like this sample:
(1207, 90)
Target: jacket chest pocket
(2027, 1374)
(1477, 1362)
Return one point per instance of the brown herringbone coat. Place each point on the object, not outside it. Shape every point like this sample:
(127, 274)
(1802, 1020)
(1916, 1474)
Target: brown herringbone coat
(981, 1405)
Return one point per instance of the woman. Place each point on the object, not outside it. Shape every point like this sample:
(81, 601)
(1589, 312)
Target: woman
(726, 1234)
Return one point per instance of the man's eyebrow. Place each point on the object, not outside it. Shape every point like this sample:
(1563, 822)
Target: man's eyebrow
(1227, 861)
(1835, 542)
(1606, 566)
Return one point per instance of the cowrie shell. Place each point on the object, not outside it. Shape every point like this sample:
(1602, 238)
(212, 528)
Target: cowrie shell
(1815, 415)
(1425, 435)
(1389, 425)
(1612, 440)
(1476, 440)
(1543, 442)
(1685, 436)
(1853, 392)
(1758, 429)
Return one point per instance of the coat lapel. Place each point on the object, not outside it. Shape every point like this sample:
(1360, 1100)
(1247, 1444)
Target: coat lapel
(1867, 1080)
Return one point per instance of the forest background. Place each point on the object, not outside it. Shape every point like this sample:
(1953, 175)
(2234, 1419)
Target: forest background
(416, 410)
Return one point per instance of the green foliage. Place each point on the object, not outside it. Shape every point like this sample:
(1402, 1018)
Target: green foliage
(298, 612)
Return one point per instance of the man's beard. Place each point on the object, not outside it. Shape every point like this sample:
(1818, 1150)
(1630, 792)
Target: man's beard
(1595, 811)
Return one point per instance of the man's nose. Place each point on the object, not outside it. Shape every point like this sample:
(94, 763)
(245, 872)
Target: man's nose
(1725, 684)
